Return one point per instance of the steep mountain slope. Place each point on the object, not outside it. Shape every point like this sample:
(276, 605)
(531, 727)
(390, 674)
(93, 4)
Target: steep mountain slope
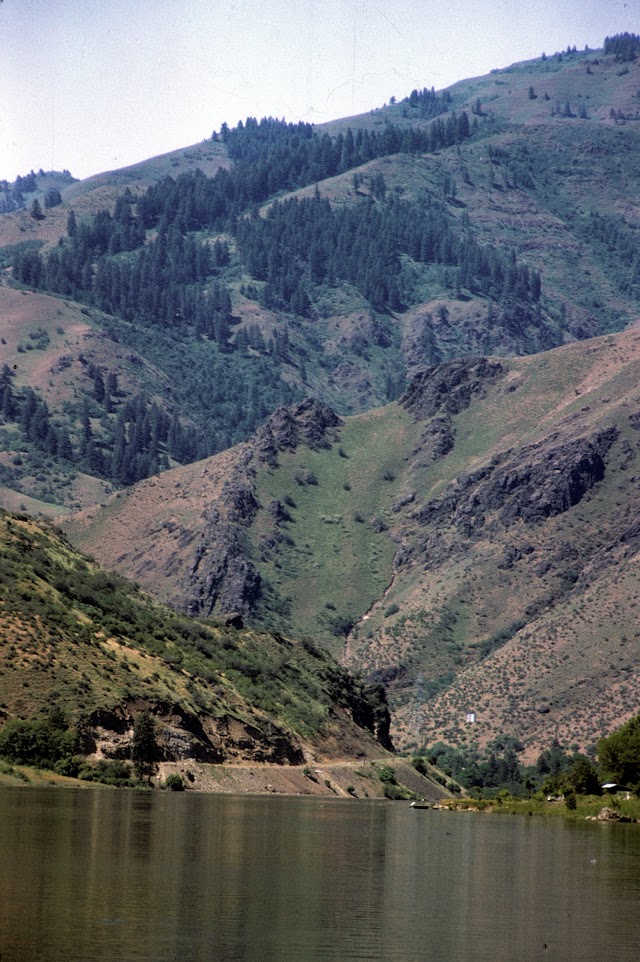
(532, 205)
(100, 651)
(473, 547)
(556, 144)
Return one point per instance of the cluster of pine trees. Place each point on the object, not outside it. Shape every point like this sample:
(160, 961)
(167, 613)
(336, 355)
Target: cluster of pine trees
(621, 240)
(428, 103)
(165, 282)
(172, 282)
(169, 280)
(623, 46)
(31, 413)
(131, 445)
(12, 195)
(272, 156)
(305, 242)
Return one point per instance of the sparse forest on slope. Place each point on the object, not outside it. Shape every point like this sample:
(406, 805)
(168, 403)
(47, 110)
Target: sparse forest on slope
(458, 544)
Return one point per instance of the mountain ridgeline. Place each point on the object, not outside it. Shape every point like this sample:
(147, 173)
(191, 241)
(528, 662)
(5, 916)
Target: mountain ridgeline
(370, 384)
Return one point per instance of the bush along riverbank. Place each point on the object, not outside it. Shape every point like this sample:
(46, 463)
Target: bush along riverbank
(41, 751)
(607, 776)
(609, 808)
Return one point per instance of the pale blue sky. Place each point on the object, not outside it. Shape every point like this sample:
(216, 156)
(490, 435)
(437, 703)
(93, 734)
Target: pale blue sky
(93, 85)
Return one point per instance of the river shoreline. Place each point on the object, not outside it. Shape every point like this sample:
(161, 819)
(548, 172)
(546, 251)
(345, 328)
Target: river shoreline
(588, 807)
(344, 779)
(348, 778)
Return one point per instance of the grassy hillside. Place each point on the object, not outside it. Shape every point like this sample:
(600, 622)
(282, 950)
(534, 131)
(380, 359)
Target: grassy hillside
(333, 560)
(100, 651)
(473, 547)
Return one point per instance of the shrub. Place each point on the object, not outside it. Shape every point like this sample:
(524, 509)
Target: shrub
(68, 766)
(395, 793)
(35, 742)
(387, 775)
(174, 783)
(115, 773)
(419, 764)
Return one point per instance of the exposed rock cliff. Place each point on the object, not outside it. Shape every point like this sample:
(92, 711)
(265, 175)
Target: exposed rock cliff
(222, 577)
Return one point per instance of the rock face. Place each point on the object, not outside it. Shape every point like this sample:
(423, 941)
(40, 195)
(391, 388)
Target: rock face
(529, 485)
(221, 577)
(309, 422)
(439, 392)
(448, 388)
(365, 704)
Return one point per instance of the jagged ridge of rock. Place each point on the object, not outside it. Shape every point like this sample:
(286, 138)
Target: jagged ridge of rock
(500, 554)
(222, 576)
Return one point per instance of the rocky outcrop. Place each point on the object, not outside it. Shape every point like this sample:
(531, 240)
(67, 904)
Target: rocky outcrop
(221, 578)
(448, 388)
(309, 422)
(533, 484)
(607, 814)
(181, 735)
(233, 738)
(366, 704)
(438, 393)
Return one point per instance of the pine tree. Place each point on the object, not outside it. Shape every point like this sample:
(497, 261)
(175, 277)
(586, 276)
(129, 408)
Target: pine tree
(144, 747)
(36, 210)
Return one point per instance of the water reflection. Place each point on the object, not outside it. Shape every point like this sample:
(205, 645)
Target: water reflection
(122, 876)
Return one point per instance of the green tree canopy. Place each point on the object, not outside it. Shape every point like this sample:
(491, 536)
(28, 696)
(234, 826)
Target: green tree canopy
(144, 748)
(619, 753)
(582, 778)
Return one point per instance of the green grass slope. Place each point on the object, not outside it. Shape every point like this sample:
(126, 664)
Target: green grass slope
(331, 558)
(100, 651)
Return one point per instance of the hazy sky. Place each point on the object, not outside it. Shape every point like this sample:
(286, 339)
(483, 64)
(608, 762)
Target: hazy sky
(92, 85)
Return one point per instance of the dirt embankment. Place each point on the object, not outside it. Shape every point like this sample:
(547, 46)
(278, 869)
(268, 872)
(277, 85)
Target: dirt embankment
(356, 779)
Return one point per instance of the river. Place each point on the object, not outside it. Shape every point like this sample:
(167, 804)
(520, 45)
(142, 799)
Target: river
(119, 875)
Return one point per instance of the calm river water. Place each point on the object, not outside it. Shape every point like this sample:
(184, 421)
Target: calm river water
(119, 876)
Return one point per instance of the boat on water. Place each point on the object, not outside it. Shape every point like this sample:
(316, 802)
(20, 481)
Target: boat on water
(417, 804)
